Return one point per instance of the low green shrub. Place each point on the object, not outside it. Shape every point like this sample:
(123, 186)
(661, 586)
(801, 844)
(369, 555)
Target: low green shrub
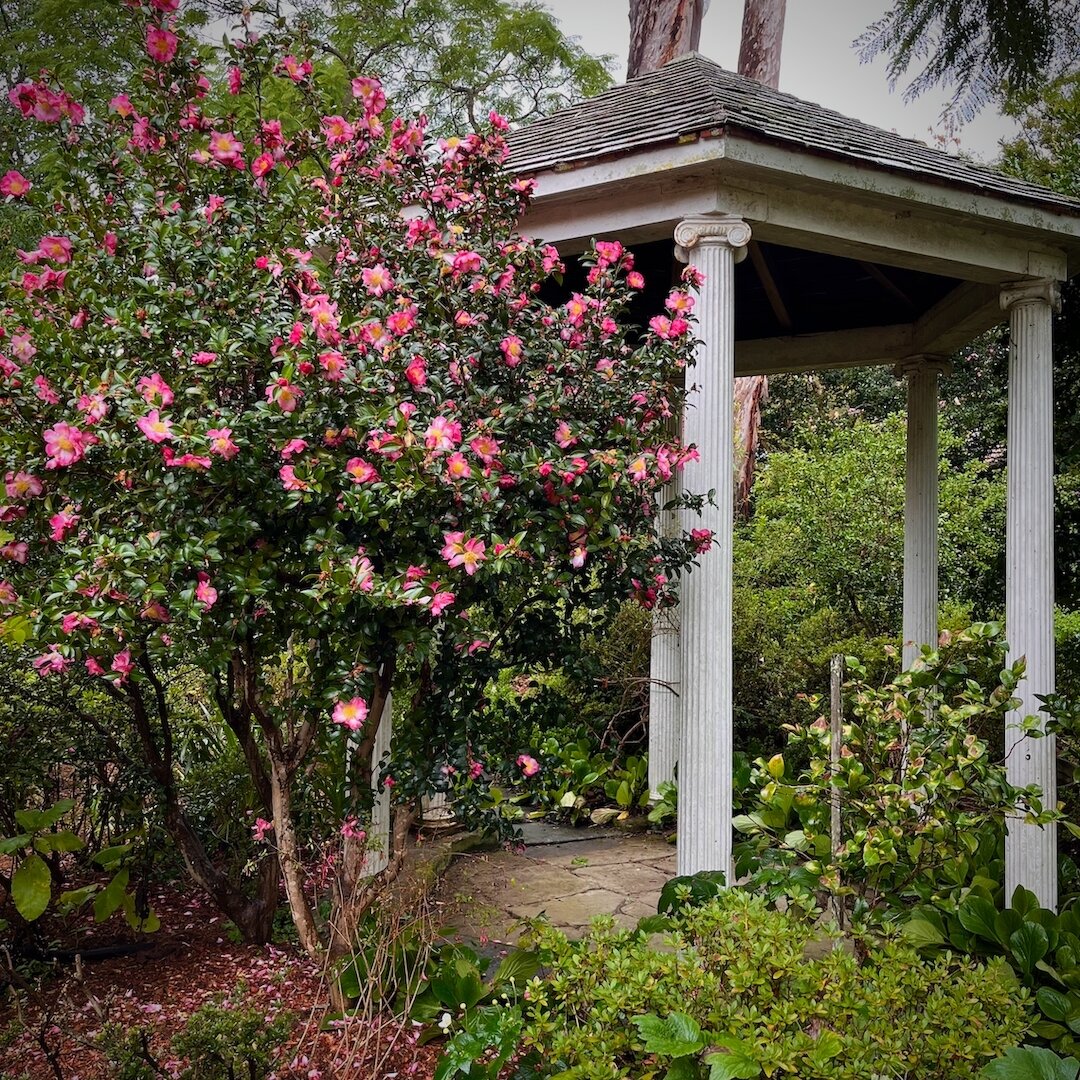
(227, 1039)
(740, 990)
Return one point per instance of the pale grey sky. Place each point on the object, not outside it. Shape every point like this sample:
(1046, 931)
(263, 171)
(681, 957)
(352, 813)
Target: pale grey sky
(818, 62)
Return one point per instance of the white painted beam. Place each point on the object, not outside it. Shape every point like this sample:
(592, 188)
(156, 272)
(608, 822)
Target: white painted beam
(1030, 850)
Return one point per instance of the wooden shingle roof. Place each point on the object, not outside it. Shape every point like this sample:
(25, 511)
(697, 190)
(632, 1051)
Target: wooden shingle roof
(693, 95)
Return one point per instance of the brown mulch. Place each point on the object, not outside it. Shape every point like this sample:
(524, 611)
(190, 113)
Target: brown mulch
(191, 959)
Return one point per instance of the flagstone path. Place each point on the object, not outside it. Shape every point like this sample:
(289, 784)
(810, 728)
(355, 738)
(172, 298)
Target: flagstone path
(570, 875)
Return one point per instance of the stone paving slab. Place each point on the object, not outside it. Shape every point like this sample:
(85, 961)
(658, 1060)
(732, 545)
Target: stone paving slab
(569, 880)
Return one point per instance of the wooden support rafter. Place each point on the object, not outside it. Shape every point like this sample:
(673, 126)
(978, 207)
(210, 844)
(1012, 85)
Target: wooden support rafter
(768, 283)
(887, 283)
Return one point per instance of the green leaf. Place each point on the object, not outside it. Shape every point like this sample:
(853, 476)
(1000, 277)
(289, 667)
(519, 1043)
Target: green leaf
(1029, 945)
(36, 820)
(1053, 1003)
(1031, 1063)
(684, 1068)
(9, 845)
(922, 934)
(517, 967)
(978, 915)
(828, 1045)
(60, 841)
(111, 897)
(31, 887)
(734, 1060)
(676, 1036)
(654, 924)
(107, 856)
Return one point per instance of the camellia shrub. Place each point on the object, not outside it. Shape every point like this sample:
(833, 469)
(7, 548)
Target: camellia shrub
(279, 399)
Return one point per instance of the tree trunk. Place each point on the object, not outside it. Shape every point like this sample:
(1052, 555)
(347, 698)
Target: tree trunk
(292, 868)
(660, 30)
(759, 59)
(762, 37)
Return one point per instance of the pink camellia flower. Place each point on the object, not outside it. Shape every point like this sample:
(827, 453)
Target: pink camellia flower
(16, 551)
(93, 667)
(76, 620)
(457, 551)
(284, 395)
(290, 481)
(635, 280)
(14, 185)
(337, 130)
(294, 69)
(400, 322)
(351, 831)
(236, 79)
(333, 363)
(476, 770)
(56, 249)
(123, 665)
(578, 556)
(52, 663)
(529, 765)
(370, 92)
(466, 262)
(457, 467)
(23, 348)
(361, 471)
(485, 448)
(205, 593)
(703, 539)
(121, 105)
(64, 445)
(416, 372)
(441, 601)
(511, 347)
(203, 359)
(185, 461)
(442, 434)
(564, 437)
(351, 714)
(263, 164)
(61, 523)
(225, 147)
(167, 6)
(260, 829)
(377, 279)
(155, 390)
(44, 390)
(160, 44)
(156, 611)
(8, 595)
(221, 443)
(155, 427)
(293, 446)
(22, 485)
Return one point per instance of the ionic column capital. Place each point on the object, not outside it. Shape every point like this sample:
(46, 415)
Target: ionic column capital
(704, 230)
(1038, 291)
(923, 364)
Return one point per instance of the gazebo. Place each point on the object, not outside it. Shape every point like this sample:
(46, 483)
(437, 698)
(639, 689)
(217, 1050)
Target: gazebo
(864, 248)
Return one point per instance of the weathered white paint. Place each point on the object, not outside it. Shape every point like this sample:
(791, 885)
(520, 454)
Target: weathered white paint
(705, 765)
(378, 857)
(920, 625)
(665, 670)
(1031, 851)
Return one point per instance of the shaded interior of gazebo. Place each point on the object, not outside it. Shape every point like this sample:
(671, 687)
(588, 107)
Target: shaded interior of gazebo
(824, 243)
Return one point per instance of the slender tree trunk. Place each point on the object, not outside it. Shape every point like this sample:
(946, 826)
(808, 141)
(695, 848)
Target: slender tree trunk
(759, 59)
(292, 867)
(660, 30)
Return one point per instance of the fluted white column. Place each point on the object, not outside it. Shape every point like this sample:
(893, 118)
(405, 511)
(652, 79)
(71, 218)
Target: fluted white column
(712, 245)
(1031, 851)
(921, 504)
(378, 856)
(665, 670)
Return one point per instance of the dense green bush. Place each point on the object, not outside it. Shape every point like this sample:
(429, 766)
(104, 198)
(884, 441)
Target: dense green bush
(761, 989)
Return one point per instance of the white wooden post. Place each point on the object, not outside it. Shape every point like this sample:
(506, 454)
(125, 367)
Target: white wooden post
(378, 857)
(712, 245)
(1031, 851)
(665, 672)
(921, 504)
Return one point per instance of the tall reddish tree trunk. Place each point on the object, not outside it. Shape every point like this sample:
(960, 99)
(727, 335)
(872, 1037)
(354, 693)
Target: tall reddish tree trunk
(759, 59)
(660, 30)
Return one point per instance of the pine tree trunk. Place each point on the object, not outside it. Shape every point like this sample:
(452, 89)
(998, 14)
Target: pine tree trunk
(759, 59)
